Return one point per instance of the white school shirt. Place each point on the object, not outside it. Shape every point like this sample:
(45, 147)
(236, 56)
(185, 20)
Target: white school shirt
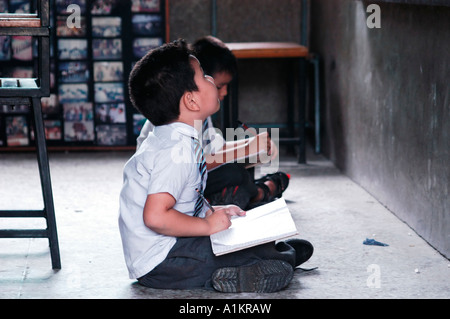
(211, 140)
(163, 164)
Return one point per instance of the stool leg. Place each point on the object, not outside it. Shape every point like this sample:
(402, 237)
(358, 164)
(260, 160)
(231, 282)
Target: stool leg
(316, 63)
(234, 103)
(291, 102)
(44, 171)
(301, 114)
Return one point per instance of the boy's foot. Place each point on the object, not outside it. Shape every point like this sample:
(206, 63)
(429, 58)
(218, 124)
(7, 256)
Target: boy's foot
(273, 185)
(303, 250)
(263, 276)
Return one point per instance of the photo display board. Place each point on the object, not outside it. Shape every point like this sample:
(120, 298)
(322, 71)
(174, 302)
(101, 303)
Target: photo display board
(94, 45)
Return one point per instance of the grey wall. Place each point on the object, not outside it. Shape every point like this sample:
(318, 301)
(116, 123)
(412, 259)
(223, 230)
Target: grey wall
(189, 19)
(262, 83)
(387, 105)
(237, 20)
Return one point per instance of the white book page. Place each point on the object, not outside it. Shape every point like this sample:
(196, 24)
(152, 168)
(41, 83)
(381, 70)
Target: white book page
(260, 225)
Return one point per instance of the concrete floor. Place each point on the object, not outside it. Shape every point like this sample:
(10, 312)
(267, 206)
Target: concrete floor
(330, 210)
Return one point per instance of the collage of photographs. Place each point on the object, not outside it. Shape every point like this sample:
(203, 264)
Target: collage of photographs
(90, 64)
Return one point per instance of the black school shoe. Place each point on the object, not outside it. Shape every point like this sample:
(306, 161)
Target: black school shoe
(303, 250)
(263, 276)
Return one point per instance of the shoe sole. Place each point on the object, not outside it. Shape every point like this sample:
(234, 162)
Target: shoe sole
(264, 276)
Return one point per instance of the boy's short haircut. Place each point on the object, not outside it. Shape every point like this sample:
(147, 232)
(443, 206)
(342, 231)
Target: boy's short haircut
(159, 80)
(214, 56)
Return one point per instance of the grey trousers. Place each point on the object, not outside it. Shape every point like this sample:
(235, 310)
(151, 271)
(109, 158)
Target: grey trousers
(191, 262)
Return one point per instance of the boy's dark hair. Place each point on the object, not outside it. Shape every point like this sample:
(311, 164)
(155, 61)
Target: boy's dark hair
(159, 80)
(214, 56)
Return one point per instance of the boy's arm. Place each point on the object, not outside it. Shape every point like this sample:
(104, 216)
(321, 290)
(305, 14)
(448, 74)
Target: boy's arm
(160, 217)
(243, 148)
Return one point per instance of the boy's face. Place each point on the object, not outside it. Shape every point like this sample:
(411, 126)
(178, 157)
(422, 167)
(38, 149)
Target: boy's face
(222, 80)
(207, 93)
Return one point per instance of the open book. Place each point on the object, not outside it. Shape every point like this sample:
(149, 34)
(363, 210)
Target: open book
(260, 225)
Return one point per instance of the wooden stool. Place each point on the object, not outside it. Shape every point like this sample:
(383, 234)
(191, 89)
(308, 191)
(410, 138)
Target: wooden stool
(29, 92)
(275, 50)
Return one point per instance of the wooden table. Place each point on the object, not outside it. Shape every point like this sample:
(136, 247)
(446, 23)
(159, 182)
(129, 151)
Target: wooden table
(255, 50)
(274, 50)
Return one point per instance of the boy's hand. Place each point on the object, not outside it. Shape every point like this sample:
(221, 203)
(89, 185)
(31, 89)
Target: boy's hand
(260, 142)
(231, 210)
(265, 142)
(220, 219)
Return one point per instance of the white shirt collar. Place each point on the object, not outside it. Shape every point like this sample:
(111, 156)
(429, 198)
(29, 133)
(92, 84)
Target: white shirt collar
(178, 128)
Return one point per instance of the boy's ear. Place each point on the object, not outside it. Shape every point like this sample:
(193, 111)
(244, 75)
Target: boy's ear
(190, 101)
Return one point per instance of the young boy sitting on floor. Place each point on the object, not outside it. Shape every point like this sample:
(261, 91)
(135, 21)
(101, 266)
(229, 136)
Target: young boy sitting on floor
(164, 222)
